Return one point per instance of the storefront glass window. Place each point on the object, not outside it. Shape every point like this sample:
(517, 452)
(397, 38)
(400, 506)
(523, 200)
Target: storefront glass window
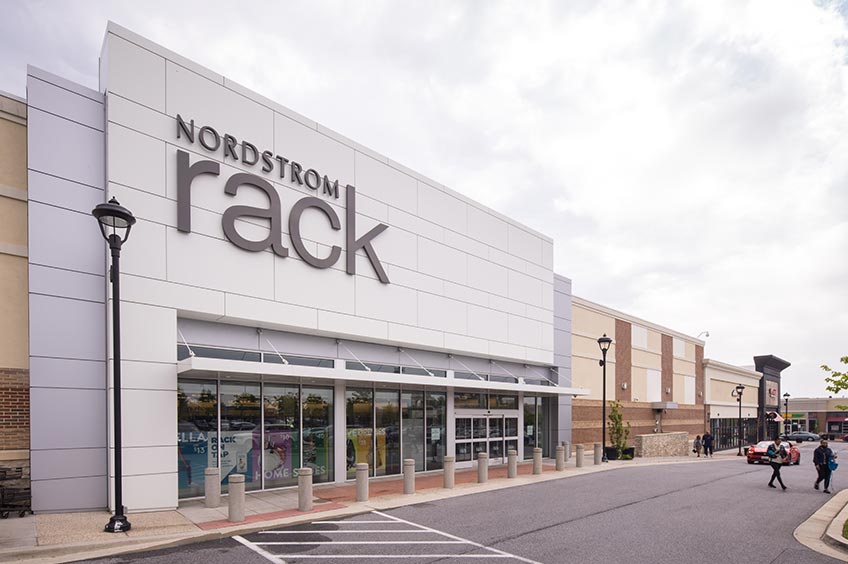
(240, 440)
(387, 436)
(318, 432)
(530, 426)
(359, 411)
(282, 435)
(469, 400)
(412, 423)
(197, 424)
(436, 410)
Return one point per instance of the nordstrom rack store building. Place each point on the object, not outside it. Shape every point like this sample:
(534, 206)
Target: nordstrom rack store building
(290, 298)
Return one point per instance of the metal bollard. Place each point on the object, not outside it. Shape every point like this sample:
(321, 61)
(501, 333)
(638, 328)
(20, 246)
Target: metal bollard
(449, 464)
(537, 460)
(512, 464)
(235, 511)
(362, 481)
(567, 446)
(579, 460)
(304, 489)
(560, 458)
(212, 487)
(482, 467)
(408, 476)
(597, 453)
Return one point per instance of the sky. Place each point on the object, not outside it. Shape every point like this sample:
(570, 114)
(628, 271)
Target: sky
(689, 159)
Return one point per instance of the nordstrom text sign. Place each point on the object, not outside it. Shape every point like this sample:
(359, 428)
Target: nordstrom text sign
(311, 179)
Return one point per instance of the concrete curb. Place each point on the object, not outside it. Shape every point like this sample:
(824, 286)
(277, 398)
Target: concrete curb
(89, 550)
(822, 532)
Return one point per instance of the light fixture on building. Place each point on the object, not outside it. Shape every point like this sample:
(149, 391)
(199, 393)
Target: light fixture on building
(604, 343)
(706, 335)
(668, 391)
(624, 385)
(115, 222)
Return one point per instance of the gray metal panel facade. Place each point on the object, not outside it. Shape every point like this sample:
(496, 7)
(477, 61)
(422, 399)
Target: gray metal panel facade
(68, 401)
(562, 353)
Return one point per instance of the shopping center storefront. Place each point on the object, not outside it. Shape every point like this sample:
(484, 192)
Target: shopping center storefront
(290, 298)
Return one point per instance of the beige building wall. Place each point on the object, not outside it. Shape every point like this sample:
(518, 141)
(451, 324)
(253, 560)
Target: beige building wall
(639, 371)
(14, 319)
(586, 326)
(722, 380)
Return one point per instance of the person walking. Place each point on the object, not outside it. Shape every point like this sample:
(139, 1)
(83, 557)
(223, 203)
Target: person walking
(696, 446)
(707, 442)
(777, 458)
(822, 458)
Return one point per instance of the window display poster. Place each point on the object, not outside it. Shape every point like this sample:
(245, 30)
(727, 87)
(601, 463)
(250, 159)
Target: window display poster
(359, 447)
(279, 456)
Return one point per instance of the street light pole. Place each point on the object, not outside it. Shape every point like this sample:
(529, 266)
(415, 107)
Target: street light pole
(738, 393)
(787, 423)
(115, 222)
(604, 343)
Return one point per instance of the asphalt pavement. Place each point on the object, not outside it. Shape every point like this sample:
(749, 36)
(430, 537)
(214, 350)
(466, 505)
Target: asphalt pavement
(702, 512)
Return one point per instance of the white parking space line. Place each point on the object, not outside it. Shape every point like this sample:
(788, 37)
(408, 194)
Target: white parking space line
(263, 547)
(258, 550)
(356, 542)
(477, 544)
(357, 532)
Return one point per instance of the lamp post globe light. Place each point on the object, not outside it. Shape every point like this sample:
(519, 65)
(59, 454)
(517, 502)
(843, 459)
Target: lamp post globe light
(604, 343)
(738, 393)
(115, 222)
(787, 423)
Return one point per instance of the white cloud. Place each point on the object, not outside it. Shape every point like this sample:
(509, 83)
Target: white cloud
(687, 157)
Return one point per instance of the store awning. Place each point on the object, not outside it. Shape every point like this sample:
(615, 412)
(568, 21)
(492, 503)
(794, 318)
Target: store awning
(199, 366)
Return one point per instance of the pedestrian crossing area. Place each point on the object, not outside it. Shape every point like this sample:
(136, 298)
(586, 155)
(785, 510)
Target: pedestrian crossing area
(371, 537)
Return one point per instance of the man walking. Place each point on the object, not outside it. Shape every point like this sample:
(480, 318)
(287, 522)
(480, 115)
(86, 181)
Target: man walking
(821, 458)
(777, 457)
(708, 444)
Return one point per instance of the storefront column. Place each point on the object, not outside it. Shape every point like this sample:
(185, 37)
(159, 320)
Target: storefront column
(339, 432)
(450, 424)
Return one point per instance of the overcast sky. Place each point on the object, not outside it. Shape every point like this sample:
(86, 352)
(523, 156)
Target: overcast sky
(688, 158)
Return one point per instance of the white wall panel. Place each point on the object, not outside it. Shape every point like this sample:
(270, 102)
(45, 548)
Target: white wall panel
(200, 261)
(487, 228)
(525, 245)
(386, 184)
(151, 491)
(444, 209)
(488, 323)
(298, 283)
(196, 97)
(137, 405)
(208, 303)
(148, 333)
(134, 72)
(241, 309)
(437, 312)
(389, 303)
(524, 288)
(312, 149)
(136, 160)
(442, 261)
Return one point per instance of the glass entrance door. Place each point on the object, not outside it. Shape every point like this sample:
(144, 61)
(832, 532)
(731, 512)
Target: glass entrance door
(492, 434)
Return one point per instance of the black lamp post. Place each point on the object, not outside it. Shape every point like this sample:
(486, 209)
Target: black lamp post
(787, 425)
(738, 393)
(115, 223)
(604, 342)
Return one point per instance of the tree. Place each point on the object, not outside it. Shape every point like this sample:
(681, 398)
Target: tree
(838, 380)
(618, 432)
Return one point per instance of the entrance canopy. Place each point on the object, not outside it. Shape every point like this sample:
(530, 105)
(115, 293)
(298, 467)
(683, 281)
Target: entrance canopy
(203, 366)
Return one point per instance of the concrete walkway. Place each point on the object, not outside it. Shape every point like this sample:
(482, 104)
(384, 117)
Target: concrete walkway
(74, 536)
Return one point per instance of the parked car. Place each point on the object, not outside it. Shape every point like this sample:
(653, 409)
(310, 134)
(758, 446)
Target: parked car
(800, 436)
(757, 453)
(844, 437)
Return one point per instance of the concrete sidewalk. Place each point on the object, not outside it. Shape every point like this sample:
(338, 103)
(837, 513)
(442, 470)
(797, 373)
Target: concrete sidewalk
(74, 536)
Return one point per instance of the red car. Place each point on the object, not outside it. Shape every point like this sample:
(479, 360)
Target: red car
(757, 453)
